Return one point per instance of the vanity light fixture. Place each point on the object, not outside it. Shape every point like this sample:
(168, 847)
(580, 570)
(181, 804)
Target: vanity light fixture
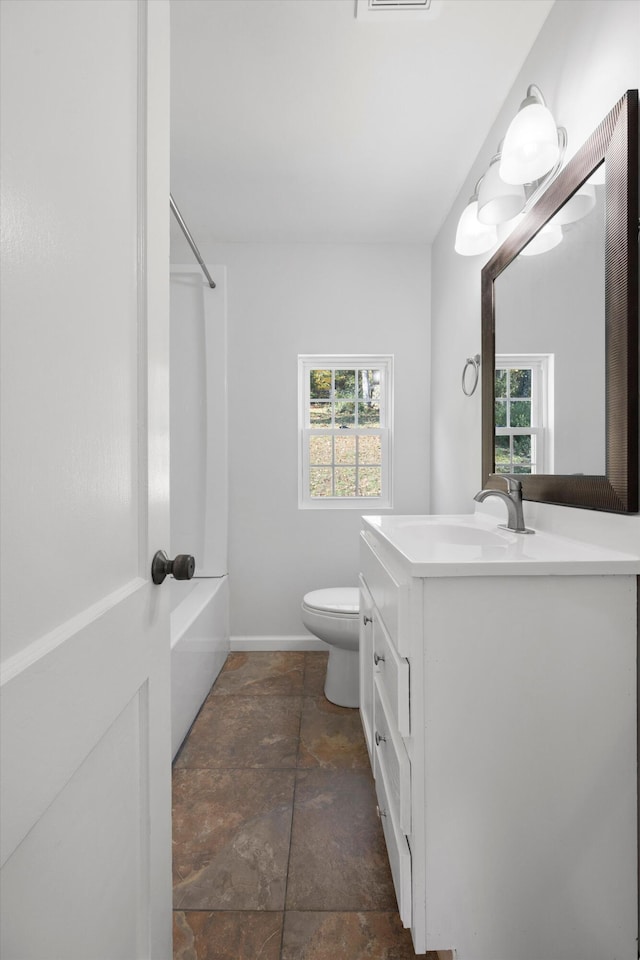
(504, 229)
(498, 201)
(545, 239)
(531, 145)
(579, 205)
(472, 236)
(526, 162)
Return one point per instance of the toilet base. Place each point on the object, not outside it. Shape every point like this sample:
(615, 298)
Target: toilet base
(342, 684)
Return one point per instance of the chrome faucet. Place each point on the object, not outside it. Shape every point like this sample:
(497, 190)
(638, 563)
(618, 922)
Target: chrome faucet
(513, 500)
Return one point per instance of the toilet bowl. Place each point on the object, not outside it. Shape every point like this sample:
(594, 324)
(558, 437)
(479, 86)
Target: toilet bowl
(332, 615)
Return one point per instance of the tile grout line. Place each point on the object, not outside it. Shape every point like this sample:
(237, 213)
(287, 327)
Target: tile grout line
(373, 910)
(255, 769)
(293, 807)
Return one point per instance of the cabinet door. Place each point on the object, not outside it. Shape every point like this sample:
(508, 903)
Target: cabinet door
(398, 851)
(366, 664)
(393, 675)
(391, 760)
(390, 595)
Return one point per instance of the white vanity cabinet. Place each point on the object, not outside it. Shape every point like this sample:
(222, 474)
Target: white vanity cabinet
(499, 706)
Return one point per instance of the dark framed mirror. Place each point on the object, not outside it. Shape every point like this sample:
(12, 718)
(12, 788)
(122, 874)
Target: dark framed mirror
(560, 332)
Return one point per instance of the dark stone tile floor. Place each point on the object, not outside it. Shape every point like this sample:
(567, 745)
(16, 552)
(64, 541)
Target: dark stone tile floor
(278, 854)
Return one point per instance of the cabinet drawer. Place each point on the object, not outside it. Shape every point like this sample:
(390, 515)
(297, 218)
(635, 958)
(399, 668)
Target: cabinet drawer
(399, 854)
(392, 673)
(389, 595)
(392, 761)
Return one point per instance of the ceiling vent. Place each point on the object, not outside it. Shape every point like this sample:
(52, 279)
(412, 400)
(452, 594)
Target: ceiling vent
(382, 11)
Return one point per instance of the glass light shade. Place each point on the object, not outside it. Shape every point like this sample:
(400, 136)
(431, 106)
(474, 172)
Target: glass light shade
(531, 145)
(498, 201)
(473, 237)
(504, 229)
(578, 206)
(546, 239)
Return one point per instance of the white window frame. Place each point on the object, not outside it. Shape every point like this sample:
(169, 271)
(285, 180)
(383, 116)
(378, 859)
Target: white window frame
(382, 362)
(541, 366)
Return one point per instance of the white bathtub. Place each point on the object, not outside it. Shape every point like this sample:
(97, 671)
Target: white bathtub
(199, 647)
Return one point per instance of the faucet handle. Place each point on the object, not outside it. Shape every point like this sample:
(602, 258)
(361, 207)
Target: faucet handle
(513, 486)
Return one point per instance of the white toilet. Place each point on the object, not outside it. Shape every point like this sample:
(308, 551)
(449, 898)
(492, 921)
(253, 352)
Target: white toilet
(332, 615)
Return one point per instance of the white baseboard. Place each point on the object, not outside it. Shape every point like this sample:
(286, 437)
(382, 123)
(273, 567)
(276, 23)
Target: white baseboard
(255, 644)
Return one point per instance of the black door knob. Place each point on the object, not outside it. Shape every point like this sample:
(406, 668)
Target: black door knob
(182, 568)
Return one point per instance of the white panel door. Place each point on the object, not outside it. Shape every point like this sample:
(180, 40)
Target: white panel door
(85, 749)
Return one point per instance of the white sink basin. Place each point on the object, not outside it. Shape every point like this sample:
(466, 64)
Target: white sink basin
(443, 531)
(474, 545)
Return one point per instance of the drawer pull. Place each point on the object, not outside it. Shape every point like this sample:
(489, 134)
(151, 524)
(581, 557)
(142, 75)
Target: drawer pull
(377, 659)
(367, 619)
(380, 739)
(381, 813)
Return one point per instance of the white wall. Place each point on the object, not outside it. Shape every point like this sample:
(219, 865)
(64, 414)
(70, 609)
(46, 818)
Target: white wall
(305, 298)
(585, 57)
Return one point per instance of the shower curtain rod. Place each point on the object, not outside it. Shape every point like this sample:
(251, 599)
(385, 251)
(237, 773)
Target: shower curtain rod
(190, 240)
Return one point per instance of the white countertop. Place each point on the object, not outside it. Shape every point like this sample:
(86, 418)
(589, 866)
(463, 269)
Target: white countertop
(468, 545)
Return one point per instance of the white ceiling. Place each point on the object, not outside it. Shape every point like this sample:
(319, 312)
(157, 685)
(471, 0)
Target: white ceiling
(293, 121)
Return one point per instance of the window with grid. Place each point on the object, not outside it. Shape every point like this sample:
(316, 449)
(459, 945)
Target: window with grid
(345, 431)
(522, 434)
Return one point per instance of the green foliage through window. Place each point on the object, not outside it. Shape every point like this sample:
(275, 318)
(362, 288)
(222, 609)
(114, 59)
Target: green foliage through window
(514, 451)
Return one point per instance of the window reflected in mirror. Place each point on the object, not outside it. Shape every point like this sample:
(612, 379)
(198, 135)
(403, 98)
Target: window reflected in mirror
(524, 414)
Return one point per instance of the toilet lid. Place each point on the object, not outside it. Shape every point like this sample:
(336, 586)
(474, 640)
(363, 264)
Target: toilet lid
(344, 600)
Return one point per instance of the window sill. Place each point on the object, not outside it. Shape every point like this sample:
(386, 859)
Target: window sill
(369, 504)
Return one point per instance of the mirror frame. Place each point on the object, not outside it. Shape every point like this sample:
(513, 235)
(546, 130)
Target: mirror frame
(615, 141)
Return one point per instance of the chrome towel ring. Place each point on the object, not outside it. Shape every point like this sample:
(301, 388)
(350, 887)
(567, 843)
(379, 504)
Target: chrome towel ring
(475, 363)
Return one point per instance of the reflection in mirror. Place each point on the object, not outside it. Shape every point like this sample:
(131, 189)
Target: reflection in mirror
(560, 332)
(524, 414)
(550, 348)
